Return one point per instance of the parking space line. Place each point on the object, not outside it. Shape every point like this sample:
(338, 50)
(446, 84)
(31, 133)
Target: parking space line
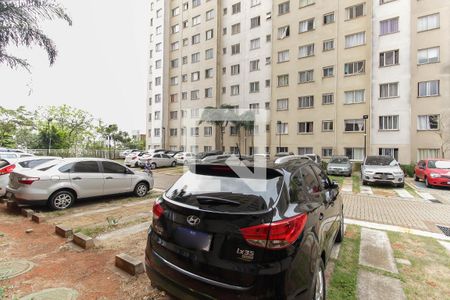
(404, 193)
(347, 188)
(366, 190)
(426, 196)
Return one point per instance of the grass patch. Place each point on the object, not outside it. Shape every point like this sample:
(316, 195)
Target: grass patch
(412, 191)
(345, 275)
(338, 179)
(428, 277)
(356, 182)
(111, 225)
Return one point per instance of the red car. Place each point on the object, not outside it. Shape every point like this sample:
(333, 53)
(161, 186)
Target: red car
(435, 172)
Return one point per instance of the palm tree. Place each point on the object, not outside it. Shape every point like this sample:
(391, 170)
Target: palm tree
(245, 121)
(219, 117)
(19, 27)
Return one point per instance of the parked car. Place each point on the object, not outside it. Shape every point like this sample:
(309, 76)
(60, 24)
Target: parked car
(435, 172)
(5, 169)
(184, 158)
(124, 153)
(216, 235)
(339, 165)
(172, 153)
(61, 182)
(157, 160)
(202, 155)
(314, 157)
(283, 154)
(13, 156)
(285, 159)
(132, 159)
(261, 155)
(382, 169)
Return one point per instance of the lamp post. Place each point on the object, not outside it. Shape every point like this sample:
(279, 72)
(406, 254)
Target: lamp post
(365, 117)
(279, 135)
(163, 138)
(49, 135)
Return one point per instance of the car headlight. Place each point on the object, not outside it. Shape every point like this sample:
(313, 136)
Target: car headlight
(435, 175)
(398, 173)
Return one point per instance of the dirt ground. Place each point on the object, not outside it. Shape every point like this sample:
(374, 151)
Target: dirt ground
(60, 263)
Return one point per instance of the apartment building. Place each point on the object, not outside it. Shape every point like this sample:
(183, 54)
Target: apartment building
(348, 77)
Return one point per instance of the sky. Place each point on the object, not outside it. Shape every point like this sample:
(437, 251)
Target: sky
(101, 67)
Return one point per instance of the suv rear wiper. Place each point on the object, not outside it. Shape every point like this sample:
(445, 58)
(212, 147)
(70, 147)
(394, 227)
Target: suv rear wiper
(209, 199)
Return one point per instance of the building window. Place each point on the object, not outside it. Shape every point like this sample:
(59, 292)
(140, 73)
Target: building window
(327, 152)
(327, 126)
(328, 71)
(389, 90)
(428, 56)
(195, 131)
(184, 96)
(389, 26)
(306, 25)
(305, 127)
(255, 22)
(174, 63)
(195, 39)
(209, 53)
(283, 80)
(304, 3)
(354, 68)
(393, 152)
(282, 128)
(157, 115)
(175, 11)
(428, 153)
(175, 28)
(209, 34)
(306, 102)
(208, 93)
(235, 69)
(283, 104)
(283, 56)
(356, 39)
(195, 76)
(387, 123)
(428, 88)
(173, 131)
(305, 76)
(173, 98)
(255, 44)
(327, 98)
(355, 125)
(306, 50)
(196, 3)
(428, 22)
(428, 122)
(283, 32)
(235, 28)
(196, 20)
(255, 2)
(236, 8)
(328, 45)
(355, 96)
(157, 132)
(254, 87)
(207, 131)
(254, 107)
(267, 83)
(235, 90)
(157, 98)
(195, 113)
(328, 18)
(210, 15)
(185, 42)
(195, 58)
(254, 65)
(235, 49)
(195, 95)
(233, 130)
(209, 73)
(283, 8)
(174, 46)
(355, 11)
(354, 153)
(281, 150)
(389, 58)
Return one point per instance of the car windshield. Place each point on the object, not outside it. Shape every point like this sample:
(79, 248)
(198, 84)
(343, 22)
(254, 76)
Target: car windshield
(439, 164)
(34, 162)
(379, 161)
(339, 160)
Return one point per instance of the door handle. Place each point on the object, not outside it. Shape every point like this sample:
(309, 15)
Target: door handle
(321, 216)
(109, 178)
(76, 178)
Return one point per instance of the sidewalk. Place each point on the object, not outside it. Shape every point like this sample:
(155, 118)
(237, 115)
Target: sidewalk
(396, 211)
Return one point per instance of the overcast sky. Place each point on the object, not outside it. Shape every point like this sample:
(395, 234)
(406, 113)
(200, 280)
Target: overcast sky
(101, 66)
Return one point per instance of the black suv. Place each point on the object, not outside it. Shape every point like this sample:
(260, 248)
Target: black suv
(245, 232)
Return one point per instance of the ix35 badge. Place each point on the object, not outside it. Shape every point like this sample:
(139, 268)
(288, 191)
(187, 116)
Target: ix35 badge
(193, 220)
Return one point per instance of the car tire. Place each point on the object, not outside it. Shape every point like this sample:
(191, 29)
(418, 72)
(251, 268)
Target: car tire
(364, 182)
(401, 185)
(141, 189)
(319, 288)
(427, 184)
(136, 164)
(61, 200)
(416, 178)
(173, 164)
(153, 165)
(341, 232)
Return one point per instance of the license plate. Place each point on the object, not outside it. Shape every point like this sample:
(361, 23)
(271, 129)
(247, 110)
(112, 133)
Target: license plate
(192, 239)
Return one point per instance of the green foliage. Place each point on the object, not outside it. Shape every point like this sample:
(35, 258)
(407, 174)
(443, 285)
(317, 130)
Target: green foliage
(408, 169)
(11, 122)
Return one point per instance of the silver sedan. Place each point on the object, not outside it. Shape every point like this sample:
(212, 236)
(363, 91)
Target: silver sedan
(61, 182)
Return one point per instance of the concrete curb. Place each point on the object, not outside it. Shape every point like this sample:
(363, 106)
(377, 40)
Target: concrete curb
(83, 241)
(63, 231)
(38, 218)
(26, 212)
(129, 264)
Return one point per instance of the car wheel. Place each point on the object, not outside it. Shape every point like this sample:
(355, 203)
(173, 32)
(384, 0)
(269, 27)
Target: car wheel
(401, 185)
(364, 182)
(153, 165)
(173, 164)
(341, 232)
(141, 189)
(136, 164)
(319, 281)
(416, 178)
(61, 200)
(427, 184)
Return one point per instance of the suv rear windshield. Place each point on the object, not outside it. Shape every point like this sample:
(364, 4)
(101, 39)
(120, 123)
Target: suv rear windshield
(225, 193)
(379, 161)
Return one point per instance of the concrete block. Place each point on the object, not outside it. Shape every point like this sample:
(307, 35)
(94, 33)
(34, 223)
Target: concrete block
(83, 241)
(38, 218)
(129, 264)
(26, 212)
(12, 205)
(63, 231)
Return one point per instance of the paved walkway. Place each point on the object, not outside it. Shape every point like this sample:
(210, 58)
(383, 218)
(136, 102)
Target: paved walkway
(397, 211)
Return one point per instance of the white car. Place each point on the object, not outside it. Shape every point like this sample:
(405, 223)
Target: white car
(13, 156)
(157, 160)
(382, 169)
(184, 158)
(132, 159)
(124, 153)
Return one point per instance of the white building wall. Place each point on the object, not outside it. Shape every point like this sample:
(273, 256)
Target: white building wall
(401, 73)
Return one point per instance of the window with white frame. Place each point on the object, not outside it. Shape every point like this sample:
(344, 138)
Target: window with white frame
(386, 123)
(305, 150)
(235, 28)
(428, 122)
(282, 128)
(355, 96)
(283, 56)
(389, 58)
(175, 46)
(236, 8)
(354, 125)
(235, 69)
(328, 71)
(428, 153)
(174, 63)
(195, 58)
(283, 104)
(196, 3)
(158, 30)
(283, 32)
(209, 34)
(174, 80)
(158, 64)
(157, 98)
(255, 44)
(184, 78)
(355, 11)
(195, 131)
(328, 18)
(157, 115)
(210, 15)
(355, 67)
(173, 115)
(195, 39)
(254, 87)
(306, 25)
(195, 113)
(207, 131)
(195, 76)
(176, 11)
(196, 20)
(306, 76)
(158, 47)
(209, 53)
(283, 80)
(327, 152)
(428, 22)
(175, 28)
(233, 130)
(255, 22)
(428, 56)
(157, 132)
(209, 73)
(254, 65)
(208, 93)
(306, 101)
(389, 26)
(235, 90)
(306, 50)
(184, 96)
(392, 152)
(356, 39)
(328, 45)
(428, 88)
(283, 8)
(255, 2)
(354, 153)
(195, 95)
(254, 107)
(327, 98)
(327, 125)
(304, 3)
(174, 98)
(235, 49)
(305, 127)
(389, 90)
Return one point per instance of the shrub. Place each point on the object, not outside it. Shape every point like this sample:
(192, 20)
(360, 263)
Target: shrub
(408, 169)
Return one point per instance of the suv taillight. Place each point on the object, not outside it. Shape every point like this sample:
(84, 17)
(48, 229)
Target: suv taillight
(158, 211)
(7, 169)
(276, 235)
(28, 180)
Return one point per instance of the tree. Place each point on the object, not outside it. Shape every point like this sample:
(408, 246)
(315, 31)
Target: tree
(219, 117)
(444, 133)
(19, 27)
(11, 122)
